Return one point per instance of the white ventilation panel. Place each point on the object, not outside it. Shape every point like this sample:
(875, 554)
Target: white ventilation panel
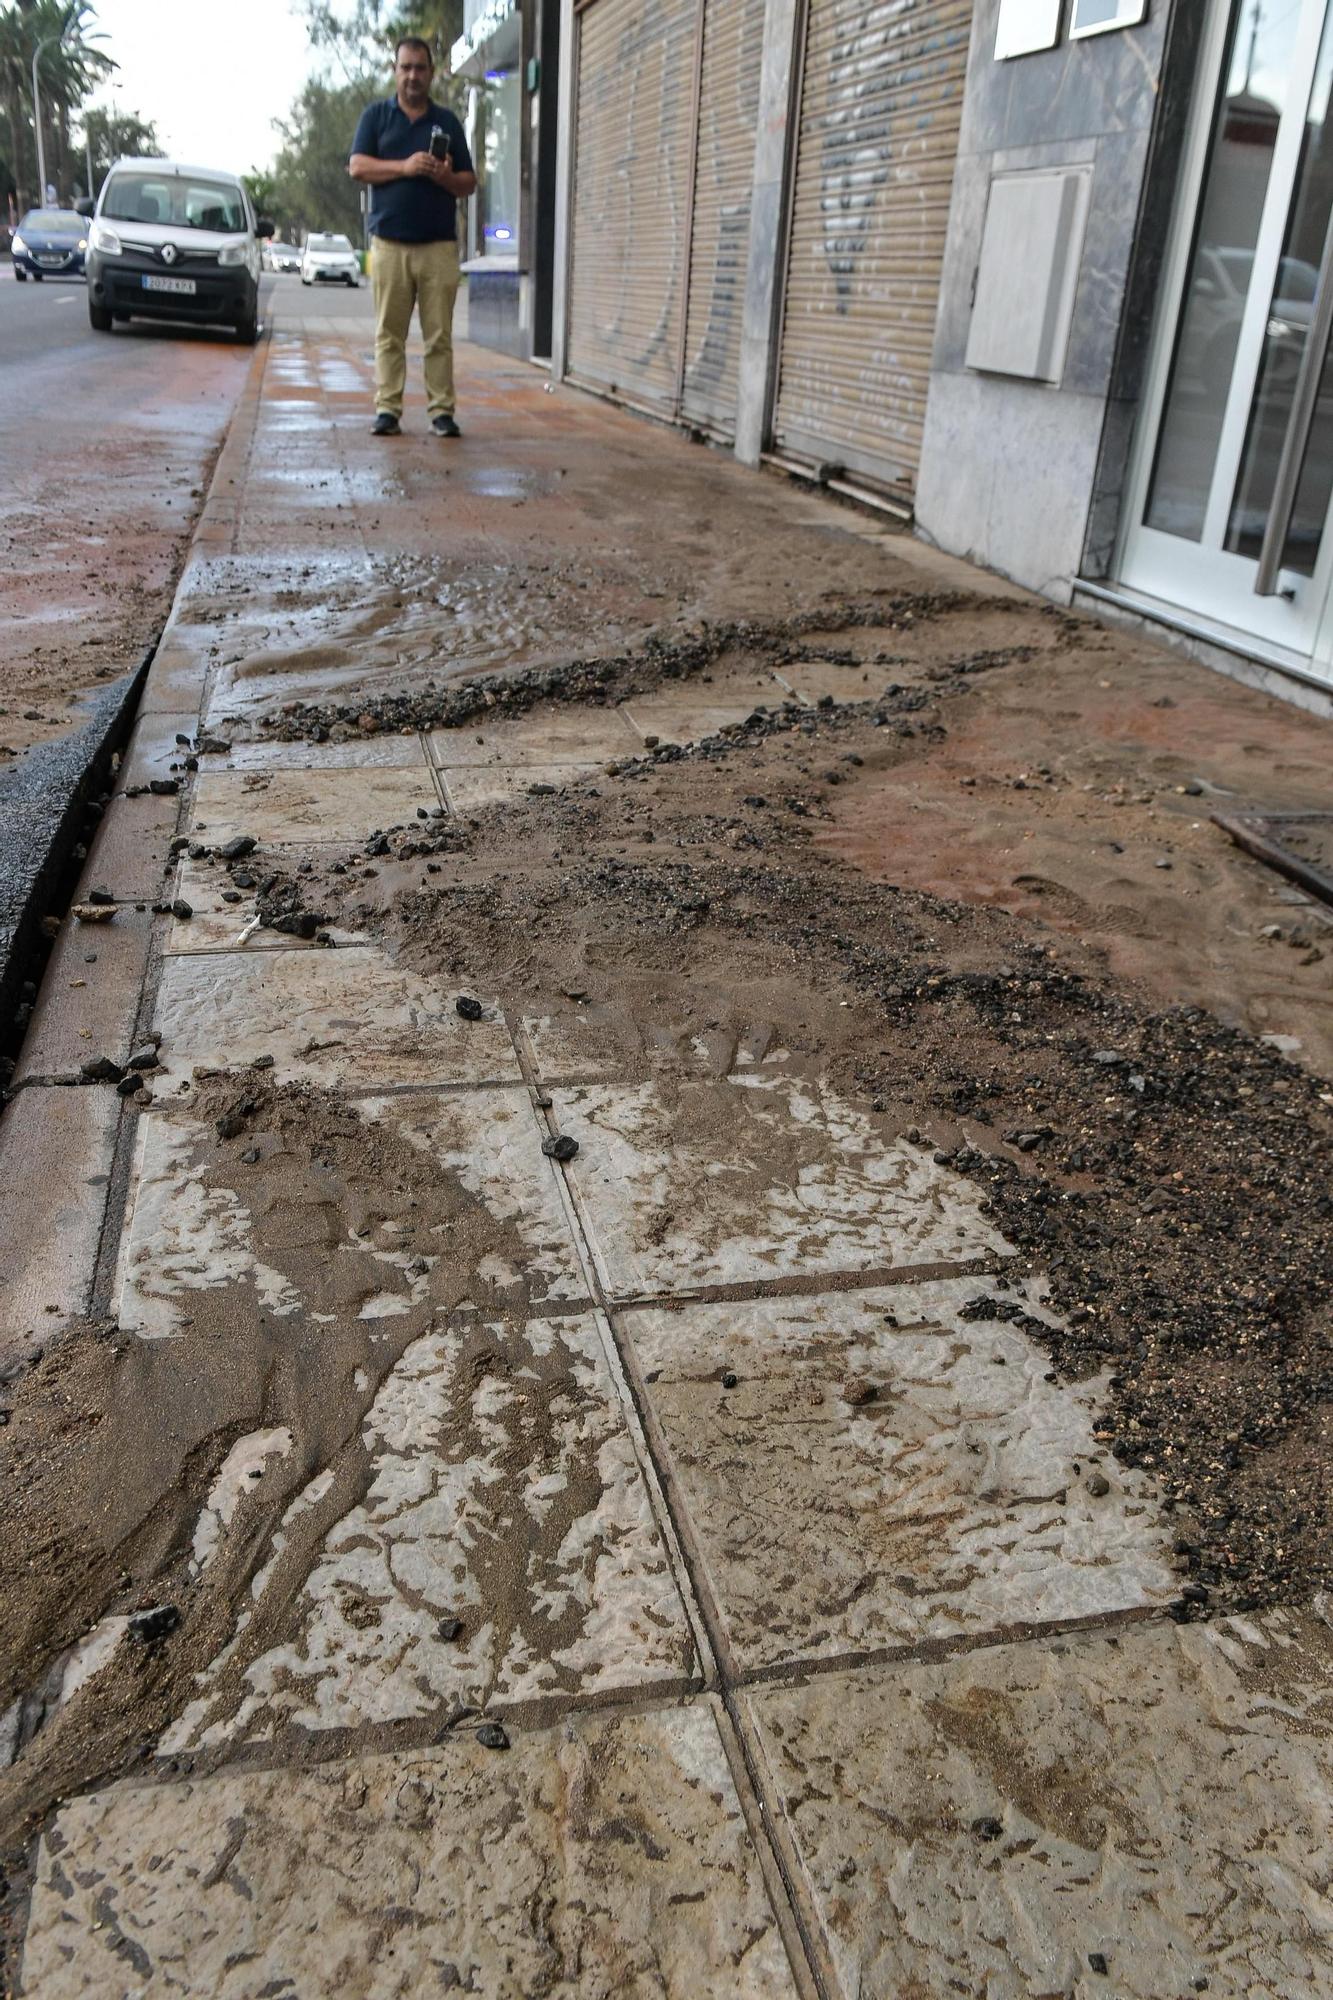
(1031, 249)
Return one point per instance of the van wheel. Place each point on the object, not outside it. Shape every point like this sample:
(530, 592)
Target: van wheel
(247, 330)
(99, 318)
(20, 274)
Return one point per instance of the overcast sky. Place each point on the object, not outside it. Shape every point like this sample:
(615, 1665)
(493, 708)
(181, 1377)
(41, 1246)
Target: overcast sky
(212, 75)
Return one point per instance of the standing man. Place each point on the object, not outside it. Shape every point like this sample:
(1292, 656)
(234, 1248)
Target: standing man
(412, 154)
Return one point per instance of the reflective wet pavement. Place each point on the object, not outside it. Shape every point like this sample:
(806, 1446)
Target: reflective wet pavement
(688, 1587)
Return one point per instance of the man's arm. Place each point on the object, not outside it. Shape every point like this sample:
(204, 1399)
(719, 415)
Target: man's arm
(456, 181)
(375, 172)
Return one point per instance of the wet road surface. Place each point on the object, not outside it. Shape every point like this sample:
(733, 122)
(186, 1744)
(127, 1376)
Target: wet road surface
(106, 441)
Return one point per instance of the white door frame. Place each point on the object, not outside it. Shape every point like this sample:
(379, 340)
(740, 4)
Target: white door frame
(1202, 577)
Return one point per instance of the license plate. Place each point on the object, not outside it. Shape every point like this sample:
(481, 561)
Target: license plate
(51, 262)
(185, 286)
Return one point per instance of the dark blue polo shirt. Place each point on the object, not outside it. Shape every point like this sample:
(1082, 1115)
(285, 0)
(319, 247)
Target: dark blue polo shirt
(410, 211)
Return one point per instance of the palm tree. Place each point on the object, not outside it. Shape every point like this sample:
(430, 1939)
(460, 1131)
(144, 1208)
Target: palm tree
(61, 33)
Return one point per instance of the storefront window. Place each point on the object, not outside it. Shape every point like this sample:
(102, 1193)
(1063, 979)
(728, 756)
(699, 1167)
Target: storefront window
(1244, 139)
(500, 113)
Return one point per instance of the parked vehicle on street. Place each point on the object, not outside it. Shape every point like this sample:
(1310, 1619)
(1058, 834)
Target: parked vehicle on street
(330, 260)
(281, 257)
(176, 242)
(49, 243)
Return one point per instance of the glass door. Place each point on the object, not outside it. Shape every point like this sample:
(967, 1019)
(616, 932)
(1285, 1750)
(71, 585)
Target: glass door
(1229, 508)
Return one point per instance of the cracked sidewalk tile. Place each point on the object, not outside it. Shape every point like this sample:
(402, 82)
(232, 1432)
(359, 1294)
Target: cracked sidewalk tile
(582, 737)
(214, 925)
(688, 721)
(469, 788)
(691, 1183)
(1139, 1815)
(195, 1226)
(606, 1859)
(883, 1471)
(505, 1548)
(287, 806)
(348, 1018)
(363, 753)
(608, 1041)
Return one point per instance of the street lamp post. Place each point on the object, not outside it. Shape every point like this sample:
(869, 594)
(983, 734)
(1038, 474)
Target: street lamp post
(37, 113)
(45, 43)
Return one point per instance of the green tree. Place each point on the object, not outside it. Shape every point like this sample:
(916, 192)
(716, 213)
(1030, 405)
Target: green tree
(69, 70)
(360, 35)
(115, 135)
(310, 177)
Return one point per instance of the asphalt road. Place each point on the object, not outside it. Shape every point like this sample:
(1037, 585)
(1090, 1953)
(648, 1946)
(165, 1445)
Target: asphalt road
(106, 442)
(40, 322)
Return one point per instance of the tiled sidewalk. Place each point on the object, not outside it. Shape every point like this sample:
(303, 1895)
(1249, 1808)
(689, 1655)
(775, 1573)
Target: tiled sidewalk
(828, 1641)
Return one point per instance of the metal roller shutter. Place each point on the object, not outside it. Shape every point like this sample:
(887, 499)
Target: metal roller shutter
(720, 238)
(633, 175)
(881, 98)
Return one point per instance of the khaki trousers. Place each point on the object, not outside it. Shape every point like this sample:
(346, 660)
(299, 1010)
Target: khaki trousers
(424, 275)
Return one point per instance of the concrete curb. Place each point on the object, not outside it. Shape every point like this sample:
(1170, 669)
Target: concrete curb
(43, 801)
(43, 812)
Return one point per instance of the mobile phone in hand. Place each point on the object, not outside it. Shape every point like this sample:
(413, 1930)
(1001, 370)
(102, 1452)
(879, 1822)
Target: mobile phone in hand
(439, 143)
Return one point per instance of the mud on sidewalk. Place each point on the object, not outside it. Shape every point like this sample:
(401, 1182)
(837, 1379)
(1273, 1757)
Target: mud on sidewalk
(711, 1343)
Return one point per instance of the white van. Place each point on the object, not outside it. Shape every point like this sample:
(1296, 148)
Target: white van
(170, 241)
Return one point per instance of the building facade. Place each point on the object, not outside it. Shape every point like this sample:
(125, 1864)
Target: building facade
(1047, 276)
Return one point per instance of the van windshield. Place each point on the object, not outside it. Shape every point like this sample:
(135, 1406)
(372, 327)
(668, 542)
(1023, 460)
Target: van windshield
(182, 200)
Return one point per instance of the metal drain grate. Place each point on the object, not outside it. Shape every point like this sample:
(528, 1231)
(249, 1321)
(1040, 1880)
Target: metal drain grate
(1299, 845)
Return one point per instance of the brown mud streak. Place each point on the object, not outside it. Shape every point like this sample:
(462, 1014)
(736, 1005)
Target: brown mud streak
(114, 1442)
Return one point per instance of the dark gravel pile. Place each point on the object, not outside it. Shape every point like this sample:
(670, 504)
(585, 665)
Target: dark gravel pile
(1172, 1175)
(661, 659)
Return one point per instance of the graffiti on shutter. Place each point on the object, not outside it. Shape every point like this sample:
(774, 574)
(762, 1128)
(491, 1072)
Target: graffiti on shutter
(633, 175)
(881, 101)
(724, 183)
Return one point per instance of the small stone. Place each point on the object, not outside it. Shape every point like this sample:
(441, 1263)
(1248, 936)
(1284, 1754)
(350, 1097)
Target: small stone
(544, 1103)
(1162, 862)
(99, 896)
(101, 1069)
(1098, 1485)
(450, 1628)
(238, 847)
(145, 1057)
(262, 1062)
(250, 1155)
(859, 1391)
(180, 908)
(468, 1008)
(128, 1085)
(1098, 1963)
(491, 1736)
(729, 1380)
(230, 1125)
(163, 788)
(155, 1623)
(651, 742)
(987, 1828)
(562, 1147)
